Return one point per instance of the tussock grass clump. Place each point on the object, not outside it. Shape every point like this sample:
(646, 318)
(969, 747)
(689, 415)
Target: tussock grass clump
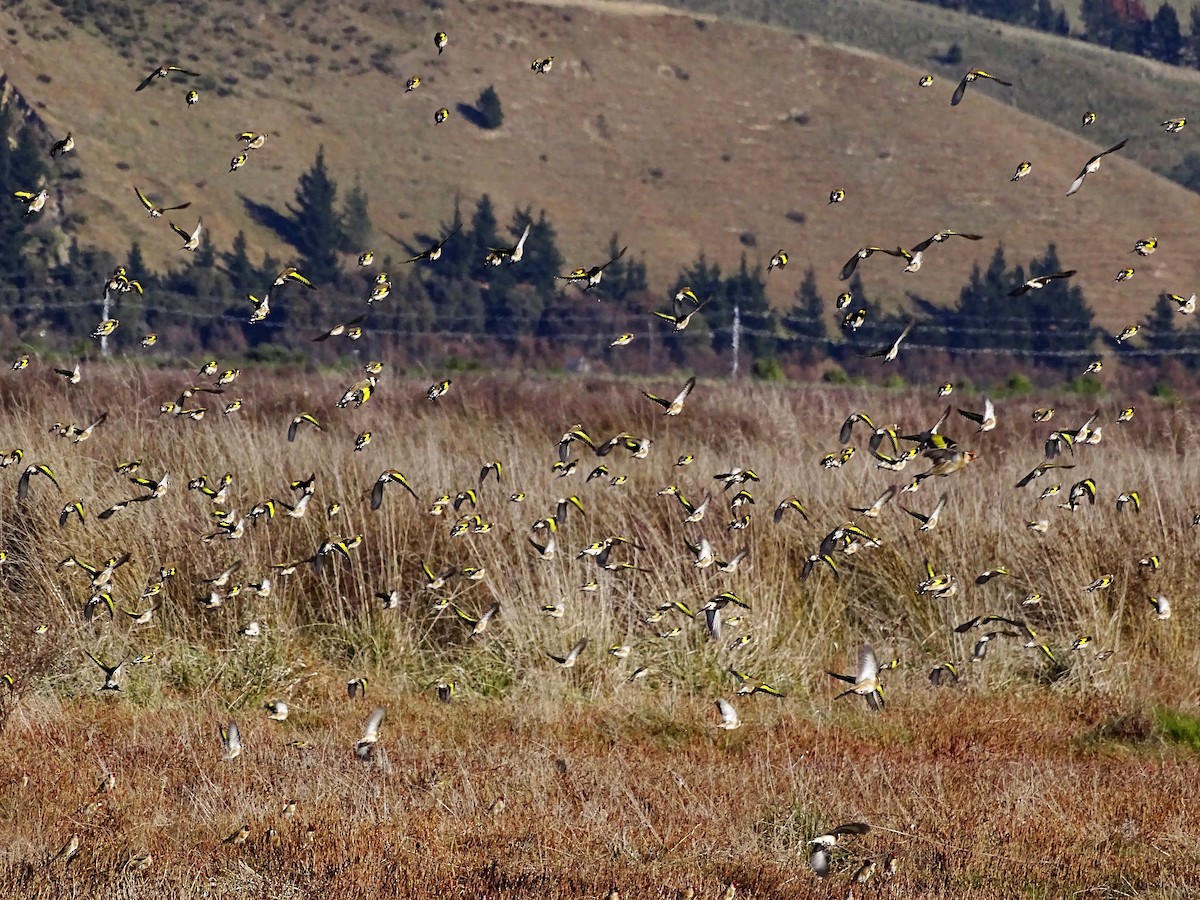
(604, 778)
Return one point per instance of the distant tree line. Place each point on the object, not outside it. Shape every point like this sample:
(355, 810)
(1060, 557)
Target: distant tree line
(461, 310)
(1123, 25)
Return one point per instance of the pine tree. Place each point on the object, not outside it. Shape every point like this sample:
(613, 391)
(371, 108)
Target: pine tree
(356, 220)
(1166, 41)
(805, 321)
(317, 230)
(243, 276)
(1192, 45)
(15, 171)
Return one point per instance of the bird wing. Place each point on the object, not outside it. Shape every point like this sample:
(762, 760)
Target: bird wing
(371, 728)
(959, 91)
(179, 231)
(687, 389)
(868, 668)
(850, 266)
(1078, 182)
(195, 235)
(728, 713)
(145, 201)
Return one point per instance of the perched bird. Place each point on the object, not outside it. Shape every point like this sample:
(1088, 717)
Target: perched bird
(971, 76)
(162, 72)
(1091, 166)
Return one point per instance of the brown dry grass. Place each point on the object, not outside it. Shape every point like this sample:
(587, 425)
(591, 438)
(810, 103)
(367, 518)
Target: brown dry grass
(675, 131)
(1020, 781)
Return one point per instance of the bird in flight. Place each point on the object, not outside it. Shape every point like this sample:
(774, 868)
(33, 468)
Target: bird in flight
(163, 72)
(190, 241)
(1038, 282)
(1092, 165)
(891, 352)
(156, 211)
(972, 75)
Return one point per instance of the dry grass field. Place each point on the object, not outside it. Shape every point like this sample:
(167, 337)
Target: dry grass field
(1026, 778)
(681, 132)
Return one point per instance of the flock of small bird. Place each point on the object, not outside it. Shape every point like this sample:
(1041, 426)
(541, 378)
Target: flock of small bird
(887, 446)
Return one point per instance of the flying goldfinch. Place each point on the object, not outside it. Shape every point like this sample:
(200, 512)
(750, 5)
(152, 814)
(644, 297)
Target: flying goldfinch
(238, 161)
(191, 98)
(1038, 282)
(441, 116)
(861, 254)
(866, 682)
(35, 201)
(156, 211)
(1089, 118)
(434, 253)
(971, 76)
(254, 139)
(591, 276)
(66, 145)
(105, 328)
(440, 40)
(1023, 169)
(729, 717)
(190, 241)
(302, 419)
(673, 407)
(162, 72)
(412, 84)
(889, 353)
(1091, 166)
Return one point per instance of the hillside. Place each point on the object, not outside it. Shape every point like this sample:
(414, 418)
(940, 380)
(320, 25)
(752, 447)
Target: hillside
(684, 134)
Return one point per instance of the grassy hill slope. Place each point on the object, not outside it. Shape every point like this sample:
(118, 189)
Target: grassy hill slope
(683, 133)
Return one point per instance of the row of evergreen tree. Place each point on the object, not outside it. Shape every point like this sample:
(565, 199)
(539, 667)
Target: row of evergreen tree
(1123, 25)
(526, 313)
